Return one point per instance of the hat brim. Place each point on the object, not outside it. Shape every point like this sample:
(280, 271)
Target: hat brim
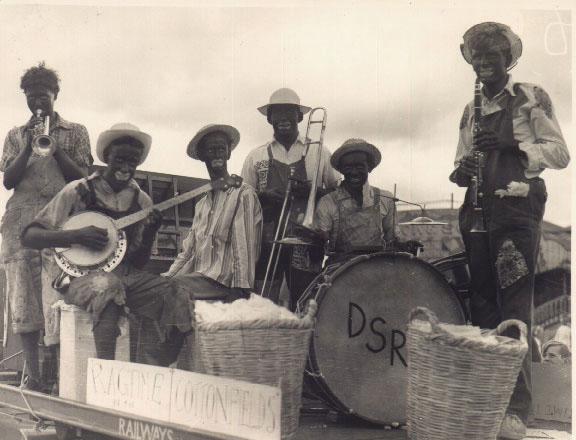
(264, 109)
(230, 131)
(367, 148)
(109, 136)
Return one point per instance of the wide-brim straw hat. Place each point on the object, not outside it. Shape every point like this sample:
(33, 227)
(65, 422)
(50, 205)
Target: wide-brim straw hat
(284, 96)
(118, 131)
(490, 28)
(232, 133)
(353, 145)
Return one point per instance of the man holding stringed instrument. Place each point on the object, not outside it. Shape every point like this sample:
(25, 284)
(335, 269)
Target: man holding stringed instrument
(268, 169)
(220, 252)
(508, 136)
(105, 221)
(37, 161)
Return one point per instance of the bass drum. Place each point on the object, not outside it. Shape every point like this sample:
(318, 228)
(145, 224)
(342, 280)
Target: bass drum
(358, 354)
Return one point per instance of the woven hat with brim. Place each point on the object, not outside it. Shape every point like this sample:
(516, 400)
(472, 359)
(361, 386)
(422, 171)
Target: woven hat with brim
(120, 130)
(353, 145)
(284, 96)
(228, 130)
(491, 29)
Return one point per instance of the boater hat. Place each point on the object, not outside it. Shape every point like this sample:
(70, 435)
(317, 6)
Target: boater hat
(490, 29)
(284, 96)
(353, 145)
(118, 131)
(228, 130)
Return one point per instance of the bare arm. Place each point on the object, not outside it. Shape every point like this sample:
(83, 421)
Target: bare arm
(69, 169)
(37, 237)
(15, 171)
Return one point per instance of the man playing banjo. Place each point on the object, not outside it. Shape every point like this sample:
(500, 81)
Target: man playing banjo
(220, 252)
(115, 193)
(267, 169)
(513, 130)
(36, 175)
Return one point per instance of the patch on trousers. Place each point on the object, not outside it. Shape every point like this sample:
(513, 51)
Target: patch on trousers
(510, 264)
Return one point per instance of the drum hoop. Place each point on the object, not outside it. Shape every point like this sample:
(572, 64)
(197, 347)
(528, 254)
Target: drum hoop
(316, 374)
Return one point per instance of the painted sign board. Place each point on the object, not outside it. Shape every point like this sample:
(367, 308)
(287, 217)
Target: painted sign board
(551, 391)
(199, 401)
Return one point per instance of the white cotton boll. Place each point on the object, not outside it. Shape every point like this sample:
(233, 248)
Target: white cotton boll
(252, 309)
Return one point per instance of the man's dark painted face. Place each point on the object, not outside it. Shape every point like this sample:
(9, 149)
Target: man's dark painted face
(355, 168)
(214, 150)
(39, 97)
(490, 65)
(123, 159)
(284, 119)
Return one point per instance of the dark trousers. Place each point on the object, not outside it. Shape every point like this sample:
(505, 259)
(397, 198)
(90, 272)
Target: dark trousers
(502, 265)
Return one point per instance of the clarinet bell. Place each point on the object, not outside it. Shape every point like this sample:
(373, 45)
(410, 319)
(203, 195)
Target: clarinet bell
(478, 222)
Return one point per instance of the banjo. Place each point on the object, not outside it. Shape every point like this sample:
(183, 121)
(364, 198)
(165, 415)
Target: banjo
(78, 260)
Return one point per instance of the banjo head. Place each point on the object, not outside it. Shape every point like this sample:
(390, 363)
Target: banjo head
(78, 259)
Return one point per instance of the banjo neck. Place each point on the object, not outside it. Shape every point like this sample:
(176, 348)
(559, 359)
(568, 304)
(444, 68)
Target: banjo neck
(231, 181)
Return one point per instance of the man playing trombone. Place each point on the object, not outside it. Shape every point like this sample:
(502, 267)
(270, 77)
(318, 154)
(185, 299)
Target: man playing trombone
(37, 172)
(508, 136)
(267, 169)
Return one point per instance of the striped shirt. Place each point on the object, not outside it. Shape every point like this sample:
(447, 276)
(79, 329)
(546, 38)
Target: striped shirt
(224, 241)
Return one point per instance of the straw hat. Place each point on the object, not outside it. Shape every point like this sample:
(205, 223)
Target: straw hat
(231, 132)
(491, 29)
(118, 131)
(352, 145)
(284, 96)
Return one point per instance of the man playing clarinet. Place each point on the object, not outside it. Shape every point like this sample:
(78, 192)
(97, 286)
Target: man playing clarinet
(518, 137)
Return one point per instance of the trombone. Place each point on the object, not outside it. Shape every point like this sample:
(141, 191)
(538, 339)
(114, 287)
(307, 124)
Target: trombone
(43, 144)
(280, 238)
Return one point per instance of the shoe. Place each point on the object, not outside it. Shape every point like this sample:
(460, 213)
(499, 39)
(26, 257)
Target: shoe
(512, 428)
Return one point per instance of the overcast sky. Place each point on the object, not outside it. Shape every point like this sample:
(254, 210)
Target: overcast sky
(389, 72)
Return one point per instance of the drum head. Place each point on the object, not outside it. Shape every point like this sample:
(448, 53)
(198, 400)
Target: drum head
(359, 344)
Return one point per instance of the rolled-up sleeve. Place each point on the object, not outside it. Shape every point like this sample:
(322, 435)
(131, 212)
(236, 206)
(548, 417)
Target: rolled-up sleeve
(324, 216)
(248, 173)
(545, 148)
(81, 155)
(330, 176)
(11, 149)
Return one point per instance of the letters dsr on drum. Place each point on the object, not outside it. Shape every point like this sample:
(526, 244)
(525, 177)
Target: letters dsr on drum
(361, 325)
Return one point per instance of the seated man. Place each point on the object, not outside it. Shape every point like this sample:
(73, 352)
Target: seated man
(115, 193)
(357, 217)
(220, 252)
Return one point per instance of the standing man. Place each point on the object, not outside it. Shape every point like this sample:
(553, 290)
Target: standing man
(34, 180)
(115, 193)
(220, 252)
(520, 137)
(267, 169)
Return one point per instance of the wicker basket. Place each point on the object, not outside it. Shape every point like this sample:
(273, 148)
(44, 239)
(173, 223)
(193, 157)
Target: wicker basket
(263, 352)
(459, 387)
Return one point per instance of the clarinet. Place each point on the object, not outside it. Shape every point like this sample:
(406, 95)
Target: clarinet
(477, 180)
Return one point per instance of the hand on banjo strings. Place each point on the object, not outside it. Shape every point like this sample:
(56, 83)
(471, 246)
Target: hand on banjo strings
(153, 221)
(92, 237)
